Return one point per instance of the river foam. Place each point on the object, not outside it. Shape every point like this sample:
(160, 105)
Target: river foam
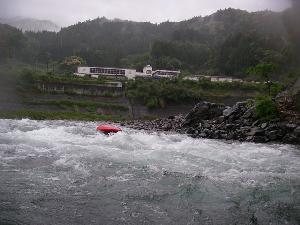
(73, 155)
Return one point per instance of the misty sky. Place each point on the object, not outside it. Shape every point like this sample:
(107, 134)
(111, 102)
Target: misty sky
(66, 12)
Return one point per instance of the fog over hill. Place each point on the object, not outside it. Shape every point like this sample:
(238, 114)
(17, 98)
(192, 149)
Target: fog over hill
(30, 24)
(68, 12)
(226, 42)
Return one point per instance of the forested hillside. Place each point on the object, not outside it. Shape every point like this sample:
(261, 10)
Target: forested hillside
(226, 42)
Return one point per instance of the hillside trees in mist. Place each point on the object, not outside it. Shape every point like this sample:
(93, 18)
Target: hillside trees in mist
(226, 42)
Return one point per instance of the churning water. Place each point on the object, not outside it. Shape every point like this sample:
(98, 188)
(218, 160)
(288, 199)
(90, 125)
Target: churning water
(57, 172)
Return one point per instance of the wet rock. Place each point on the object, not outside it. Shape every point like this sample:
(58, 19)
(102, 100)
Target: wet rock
(203, 111)
(228, 111)
(190, 131)
(256, 132)
(171, 117)
(259, 139)
(255, 123)
(202, 135)
(221, 119)
(249, 113)
(291, 126)
(297, 131)
(291, 139)
(264, 125)
(272, 135)
(209, 120)
(229, 126)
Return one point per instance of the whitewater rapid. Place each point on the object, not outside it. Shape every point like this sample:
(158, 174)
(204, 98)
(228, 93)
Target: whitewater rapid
(58, 172)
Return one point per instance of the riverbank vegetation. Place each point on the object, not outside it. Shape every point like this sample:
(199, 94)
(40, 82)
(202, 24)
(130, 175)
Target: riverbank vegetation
(265, 108)
(88, 105)
(228, 42)
(224, 43)
(29, 76)
(46, 115)
(157, 93)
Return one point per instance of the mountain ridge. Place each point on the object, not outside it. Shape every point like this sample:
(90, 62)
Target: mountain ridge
(226, 42)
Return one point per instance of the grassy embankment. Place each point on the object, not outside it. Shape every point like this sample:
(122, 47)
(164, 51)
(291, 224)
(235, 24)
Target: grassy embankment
(154, 93)
(44, 115)
(66, 109)
(87, 105)
(158, 93)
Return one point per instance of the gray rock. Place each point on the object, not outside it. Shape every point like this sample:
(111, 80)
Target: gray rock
(291, 139)
(203, 135)
(255, 123)
(203, 111)
(207, 131)
(297, 131)
(206, 124)
(264, 125)
(221, 119)
(291, 126)
(245, 129)
(272, 135)
(259, 139)
(190, 131)
(228, 111)
(249, 113)
(256, 131)
(229, 126)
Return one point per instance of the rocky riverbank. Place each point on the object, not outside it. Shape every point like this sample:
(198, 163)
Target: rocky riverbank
(215, 121)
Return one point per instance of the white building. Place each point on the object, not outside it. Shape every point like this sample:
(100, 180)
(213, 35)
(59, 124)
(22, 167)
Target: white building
(148, 72)
(165, 74)
(95, 72)
(213, 78)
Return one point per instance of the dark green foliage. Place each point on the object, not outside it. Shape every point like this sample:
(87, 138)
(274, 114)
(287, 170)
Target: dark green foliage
(29, 76)
(265, 108)
(83, 104)
(264, 70)
(226, 42)
(71, 63)
(158, 93)
(239, 51)
(173, 55)
(11, 41)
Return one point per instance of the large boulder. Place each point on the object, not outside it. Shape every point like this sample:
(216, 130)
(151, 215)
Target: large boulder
(203, 111)
(238, 110)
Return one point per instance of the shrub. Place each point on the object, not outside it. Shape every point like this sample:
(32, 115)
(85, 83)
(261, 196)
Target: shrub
(265, 108)
(152, 103)
(26, 77)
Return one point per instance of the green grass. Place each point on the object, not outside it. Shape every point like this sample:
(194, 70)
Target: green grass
(155, 92)
(42, 115)
(107, 94)
(91, 106)
(29, 76)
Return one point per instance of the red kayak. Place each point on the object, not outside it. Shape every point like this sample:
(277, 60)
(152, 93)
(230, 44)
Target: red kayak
(108, 129)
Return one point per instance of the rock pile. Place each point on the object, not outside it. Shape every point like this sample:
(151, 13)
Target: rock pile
(239, 123)
(172, 123)
(215, 121)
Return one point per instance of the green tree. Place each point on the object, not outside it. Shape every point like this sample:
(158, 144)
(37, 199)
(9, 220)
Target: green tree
(265, 71)
(69, 64)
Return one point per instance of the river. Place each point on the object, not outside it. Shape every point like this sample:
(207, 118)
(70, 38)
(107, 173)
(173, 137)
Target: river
(58, 172)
